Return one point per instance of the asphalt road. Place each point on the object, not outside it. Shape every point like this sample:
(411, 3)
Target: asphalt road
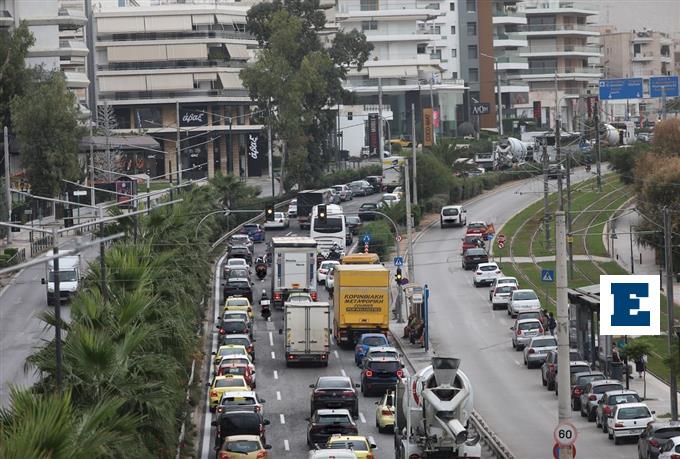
(510, 397)
(286, 390)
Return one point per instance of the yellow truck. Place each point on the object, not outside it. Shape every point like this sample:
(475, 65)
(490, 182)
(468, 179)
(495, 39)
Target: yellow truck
(361, 302)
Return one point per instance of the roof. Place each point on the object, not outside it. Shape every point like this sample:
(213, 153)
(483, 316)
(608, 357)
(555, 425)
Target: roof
(243, 437)
(374, 267)
(119, 142)
(240, 393)
(294, 241)
(327, 411)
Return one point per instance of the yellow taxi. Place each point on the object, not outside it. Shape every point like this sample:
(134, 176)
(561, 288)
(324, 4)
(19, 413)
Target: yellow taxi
(223, 384)
(362, 447)
(230, 350)
(384, 412)
(238, 303)
(243, 447)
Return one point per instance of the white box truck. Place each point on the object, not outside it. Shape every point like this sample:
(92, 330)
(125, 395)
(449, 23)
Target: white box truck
(307, 327)
(294, 268)
(69, 277)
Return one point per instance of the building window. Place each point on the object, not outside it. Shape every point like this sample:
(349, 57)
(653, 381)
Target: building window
(422, 48)
(437, 30)
(452, 6)
(454, 75)
(369, 25)
(454, 52)
(471, 6)
(472, 29)
(121, 3)
(369, 5)
(453, 30)
(474, 74)
(472, 52)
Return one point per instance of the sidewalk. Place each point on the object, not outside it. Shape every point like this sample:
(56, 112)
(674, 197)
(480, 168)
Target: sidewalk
(264, 183)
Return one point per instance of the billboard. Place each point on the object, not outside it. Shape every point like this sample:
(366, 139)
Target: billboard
(427, 127)
(373, 141)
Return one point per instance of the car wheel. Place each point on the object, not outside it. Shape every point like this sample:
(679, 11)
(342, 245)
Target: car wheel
(609, 434)
(363, 390)
(543, 381)
(604, 426)
(592, 415)
(617, 441)
(583, 414)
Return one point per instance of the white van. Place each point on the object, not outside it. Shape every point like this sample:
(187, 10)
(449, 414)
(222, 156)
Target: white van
(452, 216)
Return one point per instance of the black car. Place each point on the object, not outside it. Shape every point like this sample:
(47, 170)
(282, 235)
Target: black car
(380, 374)
(238, 287)
(324, 423)
(334, 392)
(234, 327)
(366, 211)
(375, 181)
(238, 422)
(578, 383)
(348, 238)
(240, 251)
(352, 223)
(655, 435)
(473, 257)
(574, 367)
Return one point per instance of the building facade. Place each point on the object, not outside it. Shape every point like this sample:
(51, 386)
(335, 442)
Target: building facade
(171, 71)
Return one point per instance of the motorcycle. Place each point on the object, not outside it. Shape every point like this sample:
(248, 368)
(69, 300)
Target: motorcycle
(587, 167)
(261, 270)
(265, 309)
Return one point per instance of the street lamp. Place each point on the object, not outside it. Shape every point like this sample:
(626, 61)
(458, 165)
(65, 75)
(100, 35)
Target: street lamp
(498, 91)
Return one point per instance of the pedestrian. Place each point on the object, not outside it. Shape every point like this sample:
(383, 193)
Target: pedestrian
(409, 325)
(615, 354)
(640, 365)
(552, 323)
(417, 330)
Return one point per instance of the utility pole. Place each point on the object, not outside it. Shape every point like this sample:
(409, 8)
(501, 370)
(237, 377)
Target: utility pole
(409, 234)
(558, 158)
(178, 145)
(546, 192)
(570, 238)
(668, 246)
(597, 145)
(413, 151)
(92, 194)
(91, 68)
(381, 145)
(102, 252)
(434, 131)
(269, 146)
(8, 184)
(564, 408)
(663, 103)
(57, 307)
(500, 99)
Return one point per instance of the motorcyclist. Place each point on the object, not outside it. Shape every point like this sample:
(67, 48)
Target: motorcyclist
(334, 253)
(260, 268)
(264, 295)
(264, 305)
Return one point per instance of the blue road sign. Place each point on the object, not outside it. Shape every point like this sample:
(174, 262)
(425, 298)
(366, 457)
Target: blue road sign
(366, 239)
(664, 86)
(621, 88)
(398, 261)
(547, 275)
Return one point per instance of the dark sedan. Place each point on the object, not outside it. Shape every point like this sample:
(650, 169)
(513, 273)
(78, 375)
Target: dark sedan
(366, 211)
(655, 435)
(352, 223)
(473, 257)
(240, 251)
(334, 392)
(238, 287)
(324, 423)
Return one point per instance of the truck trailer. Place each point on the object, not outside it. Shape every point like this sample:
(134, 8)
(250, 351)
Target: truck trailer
(307, 328)
(294, 267)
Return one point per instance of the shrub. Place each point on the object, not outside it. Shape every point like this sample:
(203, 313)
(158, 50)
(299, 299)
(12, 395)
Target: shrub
(382, 237)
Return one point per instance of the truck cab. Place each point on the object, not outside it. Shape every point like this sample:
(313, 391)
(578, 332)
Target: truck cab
(69, 277)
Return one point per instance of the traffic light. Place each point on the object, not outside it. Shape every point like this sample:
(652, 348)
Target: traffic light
(323, 212)
(398, 277)
(269, 213)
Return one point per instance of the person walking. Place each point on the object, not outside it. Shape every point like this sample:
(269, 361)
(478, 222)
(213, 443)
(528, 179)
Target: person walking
(552, 323)
(640, 365)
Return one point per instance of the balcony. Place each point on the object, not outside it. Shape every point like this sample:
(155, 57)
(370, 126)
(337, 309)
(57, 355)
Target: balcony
(560, 51)
(354, 10)
(76, 80)
(510, 87)
(550, 30)
(643, 57)
(420, 37)
(509, 40)
(566, 73)
(67, 48)
(105, 40)
(502, 17)
(6, 19)
(173, 96)
(543, 7)
(170, 64)
(398, 85)
(512, 63)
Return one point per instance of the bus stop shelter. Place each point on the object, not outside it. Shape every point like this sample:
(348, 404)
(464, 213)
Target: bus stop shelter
(584, 310)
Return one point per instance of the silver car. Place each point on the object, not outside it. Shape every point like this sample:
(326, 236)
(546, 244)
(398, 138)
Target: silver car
(537, 350)
(592, 394)
(523, 300)
(501, 296)
(523, 331)
(345, 192)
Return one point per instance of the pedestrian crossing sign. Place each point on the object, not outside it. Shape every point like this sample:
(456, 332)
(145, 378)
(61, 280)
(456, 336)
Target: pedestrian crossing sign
(547, 275)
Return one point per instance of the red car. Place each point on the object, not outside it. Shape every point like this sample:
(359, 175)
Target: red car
(471, 241)
(238, 370)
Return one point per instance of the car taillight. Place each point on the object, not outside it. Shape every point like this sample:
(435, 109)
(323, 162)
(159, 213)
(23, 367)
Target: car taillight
(261, 455)
(245, 332)
(370, 456)
(224, 455)
(592, 397)
(250, 348)
(277, 295)
(675, 456)
(551, 366)
(577, 391)
(498, 271)
(531, 351)
(618, 424)
(313, 295)
(540, 330)
(213, 393)
(348, 393)
(519, 332)
(369, 373)
(607, 411)
(478, 272)
(250, 309)
(222, 331)
(400, 373)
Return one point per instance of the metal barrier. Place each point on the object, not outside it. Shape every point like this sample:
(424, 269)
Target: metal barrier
(489, 438)
(42, 244)
(18, 257)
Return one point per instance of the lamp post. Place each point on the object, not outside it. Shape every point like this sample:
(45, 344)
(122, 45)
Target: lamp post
(498, 92)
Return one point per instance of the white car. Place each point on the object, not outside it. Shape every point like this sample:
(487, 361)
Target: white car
(332, 454)
(330, 280)
(523, 300)
(523, 331)
(501, 281)
(280, 221)
(241, 398)
(399, 192)
(390, 199)
(537, 350)
(325, 267)
(628, 420)
(292, 209)
(237, 263)
(501, 296)
(452, 216)
(670, 449)
(485, 274)
(345, 192)
(300, 297)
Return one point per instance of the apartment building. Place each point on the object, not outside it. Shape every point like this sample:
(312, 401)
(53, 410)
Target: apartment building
(168, 70)
(563, 55)
(406, 62)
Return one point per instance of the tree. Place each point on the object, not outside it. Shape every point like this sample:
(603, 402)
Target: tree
(14, 75)
(45, 122)
(667, 138)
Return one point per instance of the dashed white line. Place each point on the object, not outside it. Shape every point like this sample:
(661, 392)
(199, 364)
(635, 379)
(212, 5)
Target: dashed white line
(283, 418)
(289, 233)
(362, 418)
(343, 372)
(278, 395)
(273, 355)
(286, 445)
(276, 374)
(517, 362)
(337, 356)
(271, 338)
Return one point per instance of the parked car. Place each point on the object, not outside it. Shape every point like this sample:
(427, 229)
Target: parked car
(574, 367)
(352, 223)
(670, 449)
(375, 181)
(324, 268)
(244, 447)
(399, 192)
(380, 374)
(473, 257)
(536, 351)
(238, 286)
(240, 251)
(236, 263)
(280, 221)
(366, 341)
(608, 401)
(478, 227)
(502, 280)
(223, 384)
(578, 383)
(654, 436)
(472, 241)
(523, 300)
(501, 296)
(486, 273)
(390, 199)
(366, 211)
(228, 367)
(332, 454)
(245, 422)
(235, 327)
(238, 273)
(324, 423)
(254, 230)
(593, 392)
(555, 171)
(244, 339)
(452, 216)
(334, 392)
(292, 209)
(241, 239)
(628, 420)
(549, 367)
(330, 281)
(361, 188)
(335, 196)
(384, 412)
(534, 314)
(344, 191)
(523, 331)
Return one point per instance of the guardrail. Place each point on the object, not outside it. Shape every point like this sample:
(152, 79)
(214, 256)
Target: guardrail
(489, 437)
(40, 245)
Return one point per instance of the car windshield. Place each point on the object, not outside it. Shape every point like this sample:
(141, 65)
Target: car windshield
(240, 239)
(475, 252)
(476, 226)
(251, 228)
(236, 422)
(356, 445)
(578, 369)
(368, 206)
(450, 212)
(505, 289)
(389, 198)
(374, 341)
(544, 342)
(506, 280)
(238, 284)
(231, 360)
(238, 273)
(237, 371)
(239, 401)
(624, 398)
(488, 268)
(333, 383)
(601, 389)
(64, 276)
(333, 419)
(237, 302)
(328, 264)
(229, 382)
(331, 225)
(575, 355)
(242, 446)
(384, 354)
(237, 262)
(471, 239)
(524, 296)
(667, 433)
(583, 380)
(236, 325)
(230, 351)
(352, 220)
(634, 412)
(384, 366)
(529, 325)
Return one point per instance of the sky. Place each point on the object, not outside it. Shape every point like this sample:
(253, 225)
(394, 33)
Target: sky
(661, 15)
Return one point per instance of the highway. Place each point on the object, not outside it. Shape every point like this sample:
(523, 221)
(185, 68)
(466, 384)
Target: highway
(286, 390)
(510, 397)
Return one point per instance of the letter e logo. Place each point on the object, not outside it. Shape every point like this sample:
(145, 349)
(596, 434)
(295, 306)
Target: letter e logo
(630, 305)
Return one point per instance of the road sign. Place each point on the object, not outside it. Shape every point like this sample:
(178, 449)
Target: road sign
(365, 248)
(501, 238)
(556, 451)
(621, 88)
(481, 108)
(547, 275)
(80, 193)
(398, 238)
(565, 433)
(366, 239)
(663, 86)
(398, 261)
(404, 281)
(501, 244)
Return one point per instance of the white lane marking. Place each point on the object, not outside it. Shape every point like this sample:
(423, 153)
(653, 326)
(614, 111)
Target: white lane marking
(517, 362)
(276, 374)
(362, 418)
(278, 395)
(283, 418)
(271, 338)
(343, 372)
(286, 446)
(289, 233)
(273, 355)
(337, 356)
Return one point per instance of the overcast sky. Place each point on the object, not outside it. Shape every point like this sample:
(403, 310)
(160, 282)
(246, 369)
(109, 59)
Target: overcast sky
(662, 15)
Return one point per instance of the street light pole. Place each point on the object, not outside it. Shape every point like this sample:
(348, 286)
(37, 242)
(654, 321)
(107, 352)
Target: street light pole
(500, 96)
(8, 184)
(178, 146)
(668, 246)
(380, 117)
(414, 154)
(434, 131)
(57, 309)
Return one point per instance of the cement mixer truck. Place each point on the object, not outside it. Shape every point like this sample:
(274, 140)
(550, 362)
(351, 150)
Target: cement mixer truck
(432, 412)
(509, 151)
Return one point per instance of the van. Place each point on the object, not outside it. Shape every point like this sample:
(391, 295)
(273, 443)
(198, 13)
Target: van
(452, 216)
(361, 259)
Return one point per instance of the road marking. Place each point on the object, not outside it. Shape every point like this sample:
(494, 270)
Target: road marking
(276, 374)
(271, 338)
(289, 233)
(337, 356)
(278, 395)
(273, 355)
(286, 446)
(517, 362)
(343, 372)
(283, 418)
(362, 418)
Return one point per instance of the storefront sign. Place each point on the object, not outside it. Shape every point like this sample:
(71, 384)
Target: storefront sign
(256, 150)
(373, 141)
(193, 116)
(427, 127)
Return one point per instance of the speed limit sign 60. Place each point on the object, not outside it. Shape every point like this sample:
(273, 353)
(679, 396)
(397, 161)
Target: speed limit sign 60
(565, 433)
